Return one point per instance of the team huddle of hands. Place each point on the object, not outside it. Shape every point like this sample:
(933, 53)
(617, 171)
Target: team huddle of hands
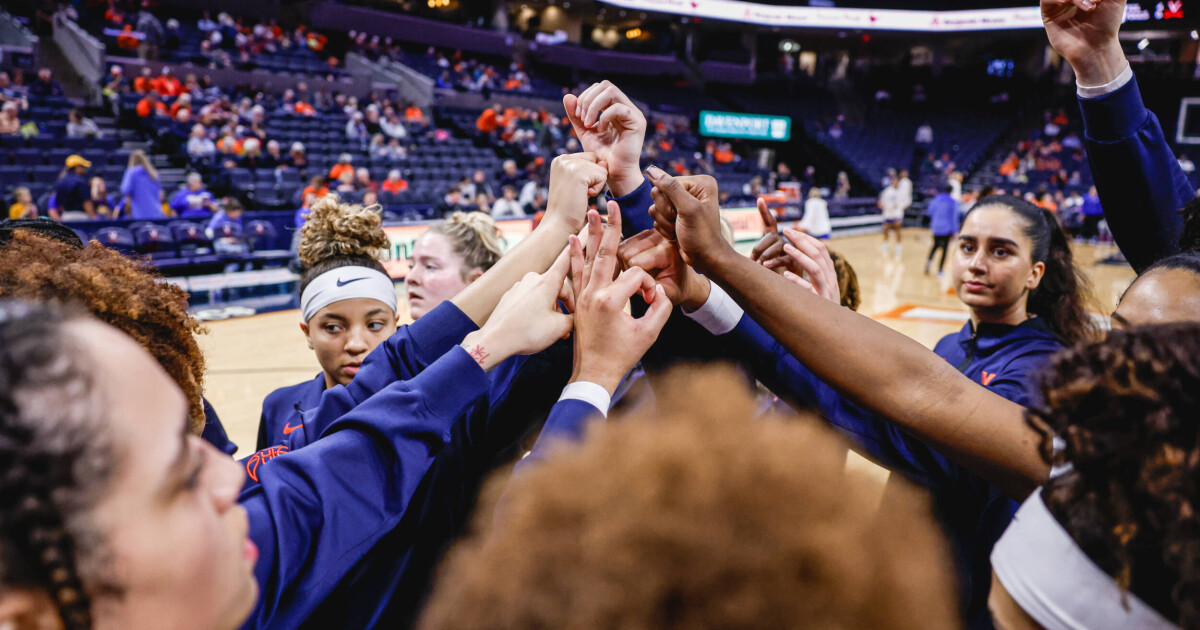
(597, 272)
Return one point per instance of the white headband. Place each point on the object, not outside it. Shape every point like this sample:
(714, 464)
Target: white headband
(346, 283)
(1050, 577)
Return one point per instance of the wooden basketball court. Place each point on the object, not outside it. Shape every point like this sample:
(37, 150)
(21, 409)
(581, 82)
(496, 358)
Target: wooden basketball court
(251, 356)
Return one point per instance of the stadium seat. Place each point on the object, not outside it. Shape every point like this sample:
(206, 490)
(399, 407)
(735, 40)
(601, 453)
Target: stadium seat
(117, 238)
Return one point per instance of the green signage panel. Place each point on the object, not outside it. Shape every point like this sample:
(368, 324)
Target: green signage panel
(745, 126)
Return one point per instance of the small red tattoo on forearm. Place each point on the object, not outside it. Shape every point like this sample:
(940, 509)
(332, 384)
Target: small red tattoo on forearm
(479, 354)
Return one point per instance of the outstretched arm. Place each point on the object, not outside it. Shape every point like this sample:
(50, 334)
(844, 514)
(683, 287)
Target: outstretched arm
(874, 366)
(1138, 178)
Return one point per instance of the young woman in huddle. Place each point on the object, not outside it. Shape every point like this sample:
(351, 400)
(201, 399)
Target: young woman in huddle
(1012, 267)
(450, 256)
(44, 261)
(344, 316)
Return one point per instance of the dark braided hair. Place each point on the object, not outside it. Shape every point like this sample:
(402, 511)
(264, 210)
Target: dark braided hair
(1189, 244)
(1128, 409)
(1063, 290)
(51, 463)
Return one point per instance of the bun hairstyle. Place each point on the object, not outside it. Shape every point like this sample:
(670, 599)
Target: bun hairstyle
(341, 235)
(1061, 294)
(1126, 408)
(847, 282)
(54, 459)
(475, 237)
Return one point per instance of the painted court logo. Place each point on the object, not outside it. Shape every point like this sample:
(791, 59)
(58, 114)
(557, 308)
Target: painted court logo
(262, 457)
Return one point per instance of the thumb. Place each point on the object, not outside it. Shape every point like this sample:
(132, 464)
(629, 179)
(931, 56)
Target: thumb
(652, 322)
(669, 186)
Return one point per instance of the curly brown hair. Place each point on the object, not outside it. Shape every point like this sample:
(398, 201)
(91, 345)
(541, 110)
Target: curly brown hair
(117, 290)
(699, 516)
(341, 235)
(847, 281)
(1128, 409)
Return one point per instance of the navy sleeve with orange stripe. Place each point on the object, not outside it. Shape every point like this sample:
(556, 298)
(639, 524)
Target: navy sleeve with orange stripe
(316, 512)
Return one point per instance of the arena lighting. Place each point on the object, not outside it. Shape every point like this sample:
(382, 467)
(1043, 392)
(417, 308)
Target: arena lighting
(1195, 34)
(633, 33)
(843, 18)
(1144, 44)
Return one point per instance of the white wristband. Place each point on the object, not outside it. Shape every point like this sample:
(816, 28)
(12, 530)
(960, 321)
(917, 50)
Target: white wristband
(720, 314)
(589, 393)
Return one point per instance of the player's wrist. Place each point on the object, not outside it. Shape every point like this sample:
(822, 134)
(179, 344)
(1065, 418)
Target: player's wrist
(607, 377)
(1099, 66)
(624, 181)
(484, 348)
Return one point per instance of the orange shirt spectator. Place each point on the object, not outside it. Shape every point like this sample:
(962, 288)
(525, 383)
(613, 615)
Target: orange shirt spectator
(304, 109)
(488, 121)
(143, 84)
(512, 83)
(395, 186)
(126, 40)
(148, 107)
(723, 155)
(1046, 203)
(414, 114)
(309, 190)
(235, 145)
(338, 169)
(178, 105)
(1010, 166)
(168, 85)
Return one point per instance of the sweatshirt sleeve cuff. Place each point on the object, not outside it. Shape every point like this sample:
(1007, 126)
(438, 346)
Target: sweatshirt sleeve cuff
(720, 314)
(1108, 88)
(589, 393)
(635, 209)
(1116, 115)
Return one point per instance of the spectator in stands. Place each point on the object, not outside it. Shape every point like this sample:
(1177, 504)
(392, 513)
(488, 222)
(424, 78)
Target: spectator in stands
(152, 30)
(73, 194)
(296, 158)
(193, 201)
(229, 214)
(151, 106)
(172, 37)
(345, 182)
(113, 85)
(316, 189)
(507, 207)
(537, 205)
(413, 115)
(145, 81)
(200, 148)
(252, 156)
(1093, 213)
(10, 120)
(206, 25)
(142, 188)
(782, 174)
(394, 183)
(478, 184)
(392, 126)
(842, 191)
(1046, 200)
(356, 129)
(379, 149)
(490, 120)
(363, 182)
(450, 203)
(372, 121)
(343, 165)
(10, 92)
(370, 198)
(815, 221)
(482, 204)
(510, 176)
(79, 126)
(45, 85)
(183, 102)
(23, 206)
(101, 200)
(167, 84)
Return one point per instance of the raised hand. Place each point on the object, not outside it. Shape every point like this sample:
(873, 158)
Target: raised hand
(810, 256)
(686, 211)
(526, 320)
(609, 341)
(1084, 32)
(574, 179)
(657, 256)
(609, 125)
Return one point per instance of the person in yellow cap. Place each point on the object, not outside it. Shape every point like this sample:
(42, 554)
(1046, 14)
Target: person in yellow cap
(73, 194)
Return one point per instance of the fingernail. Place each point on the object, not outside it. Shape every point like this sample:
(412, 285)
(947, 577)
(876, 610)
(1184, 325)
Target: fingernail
(654, 173)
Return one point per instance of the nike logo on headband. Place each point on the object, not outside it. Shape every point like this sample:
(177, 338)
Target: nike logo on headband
(341, 284)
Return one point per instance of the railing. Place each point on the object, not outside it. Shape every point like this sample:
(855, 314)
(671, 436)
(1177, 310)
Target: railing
(83, 52)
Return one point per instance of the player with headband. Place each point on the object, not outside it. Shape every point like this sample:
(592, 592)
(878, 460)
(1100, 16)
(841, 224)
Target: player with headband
(348, 306)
